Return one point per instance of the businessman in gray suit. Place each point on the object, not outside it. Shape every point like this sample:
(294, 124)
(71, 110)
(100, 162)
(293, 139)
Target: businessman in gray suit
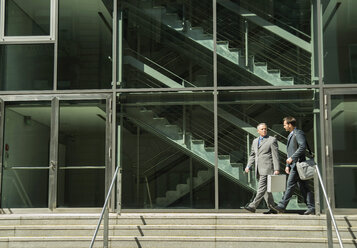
(264, 155)
(296, 147)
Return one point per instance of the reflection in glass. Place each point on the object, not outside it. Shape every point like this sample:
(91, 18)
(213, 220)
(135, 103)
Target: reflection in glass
(26, 151)
(81, 154)
(167, 44)
(26, 67)
(250, 54)
(344, 143)
(239, 113)
(340, 45)
(168, 155)
(27, 18)
(84, 44)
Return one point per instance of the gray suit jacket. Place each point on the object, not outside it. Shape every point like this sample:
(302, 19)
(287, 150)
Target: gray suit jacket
(296, 146)
(265, 157)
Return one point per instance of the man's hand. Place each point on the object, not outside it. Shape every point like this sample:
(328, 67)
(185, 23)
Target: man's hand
(246, 169)
(289, 160)
(287, 170)
(276, 172)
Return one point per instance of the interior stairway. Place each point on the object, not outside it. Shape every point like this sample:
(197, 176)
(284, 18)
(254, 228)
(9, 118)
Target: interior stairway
(175, 230)
(196, 148)
(232, 55)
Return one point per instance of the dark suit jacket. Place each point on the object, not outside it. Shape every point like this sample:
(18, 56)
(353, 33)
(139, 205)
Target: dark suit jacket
(296, 146)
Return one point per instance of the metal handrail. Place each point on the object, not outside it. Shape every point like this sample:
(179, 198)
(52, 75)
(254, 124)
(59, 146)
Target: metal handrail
(104, 207)
(329, 206)
(159, 66)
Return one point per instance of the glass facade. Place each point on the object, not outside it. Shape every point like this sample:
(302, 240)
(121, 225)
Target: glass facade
(25, 18)
(26, 67)
(171, 91)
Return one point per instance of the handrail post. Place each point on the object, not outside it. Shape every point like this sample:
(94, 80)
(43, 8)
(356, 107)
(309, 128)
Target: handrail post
(246, 42)
(104, 208)
(329, 207)
(317, 195)
(106, 227)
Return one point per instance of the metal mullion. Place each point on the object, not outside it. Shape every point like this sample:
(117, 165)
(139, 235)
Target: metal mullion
(53, 170)
(2, 115)
(53, 19)
(215, 107)
(28, 39)
(2, 19)
(48, 97)
(54, 29)
(112, 128)
(58, 92)
(108, 171)
(219, 88)
(19, 41)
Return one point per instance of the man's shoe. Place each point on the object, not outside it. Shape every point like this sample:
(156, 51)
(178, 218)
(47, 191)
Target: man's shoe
(271, 211)
(252, 210)
(277, 208)
(309, 211)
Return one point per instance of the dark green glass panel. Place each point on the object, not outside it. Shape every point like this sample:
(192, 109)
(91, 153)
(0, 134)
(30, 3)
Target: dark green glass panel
(26, 67)
(81, 153)
(27, 18)
(26, 155)
(344, 143)
(340, 44)
(167, 44)
(239, 113)
(84, 44)
(167, 151)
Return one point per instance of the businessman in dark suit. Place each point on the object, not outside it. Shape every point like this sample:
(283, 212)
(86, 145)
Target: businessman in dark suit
(296, 147)
(264, 156)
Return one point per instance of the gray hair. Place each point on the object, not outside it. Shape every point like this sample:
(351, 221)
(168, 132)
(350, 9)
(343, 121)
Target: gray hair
(260, 124)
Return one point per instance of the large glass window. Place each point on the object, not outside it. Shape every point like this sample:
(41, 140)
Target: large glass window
(344, 143)
(26, 67)
(27, 18)
(84, 44)
(239, 114)
(167, 44)
(263, 43)
(167, 151)
(340, 45)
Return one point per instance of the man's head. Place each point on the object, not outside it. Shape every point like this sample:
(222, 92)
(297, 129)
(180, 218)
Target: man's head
(289, 123)
(262, 129)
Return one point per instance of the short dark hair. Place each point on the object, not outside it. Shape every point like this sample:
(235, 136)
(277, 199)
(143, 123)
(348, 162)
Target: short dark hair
(290, 120)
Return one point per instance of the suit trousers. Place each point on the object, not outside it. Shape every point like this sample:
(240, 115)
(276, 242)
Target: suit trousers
(262, 193)
(294, 180)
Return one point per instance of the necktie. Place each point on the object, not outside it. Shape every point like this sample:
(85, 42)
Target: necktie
(260, 140)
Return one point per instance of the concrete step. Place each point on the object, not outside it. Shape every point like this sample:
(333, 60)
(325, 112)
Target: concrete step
(174, 230)
(172, 242)
(175, 219)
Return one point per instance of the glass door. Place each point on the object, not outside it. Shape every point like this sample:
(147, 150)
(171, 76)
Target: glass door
(342, 126)
(55, 152)
(25, 156)
(81, 153)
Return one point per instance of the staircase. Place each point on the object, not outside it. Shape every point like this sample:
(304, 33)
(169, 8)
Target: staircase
(175, 230)
(204, 40)
(196, 148)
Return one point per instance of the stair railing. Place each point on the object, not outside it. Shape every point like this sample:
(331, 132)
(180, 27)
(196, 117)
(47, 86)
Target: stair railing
(329, 209)
(161, 68)
(105, 237)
